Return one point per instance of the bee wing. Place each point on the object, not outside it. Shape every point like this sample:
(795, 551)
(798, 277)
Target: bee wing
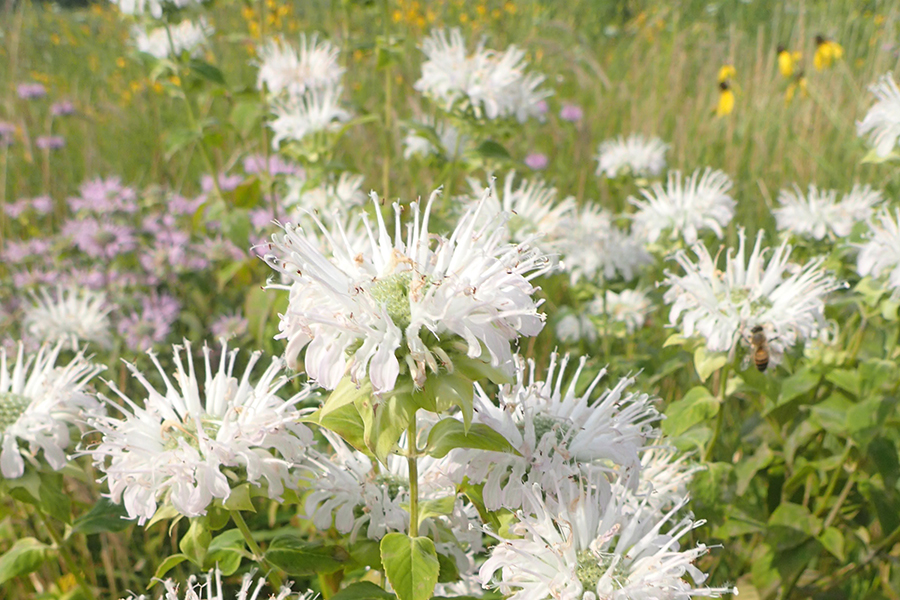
(746, 362)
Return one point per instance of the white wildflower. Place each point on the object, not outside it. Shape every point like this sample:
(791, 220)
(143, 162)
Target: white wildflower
(629, 307)
(572, 328)
(882, 123)
(591, 545)
(212, 589)
(343, 194)
(298, 117)
(686, 207)
(72, 315)
(786, 300)
(556, 432)
(880, 255)
(593, 248)
(39, 401)
(535, 212)
(163, 42)
(820, 214)
(405, 303)
(286, 70)
(175, 447)
(635, 155)
(153, 7)
(450, 142)
(493, 85)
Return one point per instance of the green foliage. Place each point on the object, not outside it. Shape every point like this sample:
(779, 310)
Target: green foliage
(411, 565)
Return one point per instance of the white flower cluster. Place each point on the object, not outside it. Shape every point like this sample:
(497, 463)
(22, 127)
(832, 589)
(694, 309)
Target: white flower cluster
(820, 214)
(880, 254)
(71, 315)
(786, 300)
(595, 249)
(493, 85)
(153, 7)
(304, 87)
(341, 195)
(447, 142)
(629, 307)
(212, 589)
(535, 213)
(635, 155)
(882, 123)
(39, 401)
(404, 303)
(163, 42)
(556, 433)
(174, 448)
(596, 541)
(685, 207)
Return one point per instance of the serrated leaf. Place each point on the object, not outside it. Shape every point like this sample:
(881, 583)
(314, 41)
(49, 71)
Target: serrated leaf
(296, 556)
(25, 556)
(448, 434)
(833, 541)
(345, 422)
(449, 390)
(492, 150)
(797, 384)
(363, 590)
(206, 71)
(195, 543)
(846, 379)
(436, 508)
(165, 566)
(747, 469)
(706, 363)
(105, 516)
(411, 565)
(697, 406)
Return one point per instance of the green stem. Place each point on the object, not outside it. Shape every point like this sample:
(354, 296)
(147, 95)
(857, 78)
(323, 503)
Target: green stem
(388, 89)
(66, 556)
(720, 417)
(412, 458)
(833, 483)
(192, 119)
(258, 555)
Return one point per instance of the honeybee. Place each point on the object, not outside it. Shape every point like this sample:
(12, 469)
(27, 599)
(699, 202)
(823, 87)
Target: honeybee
(759, 347)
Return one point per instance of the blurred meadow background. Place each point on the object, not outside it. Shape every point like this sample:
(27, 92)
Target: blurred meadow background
(803, 502)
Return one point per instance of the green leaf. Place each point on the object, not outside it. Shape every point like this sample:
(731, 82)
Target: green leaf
(831, 414)
(226, 550)
(883, 453)
(736, 526)
(245, 117)
(697, 406)
(196, 541)
(105, 516)
(165, 566)
(448, 434)
(749, 467)
(476, 369)
(449, 572)
(492, 150)
(436, 508)
(789, 520)
(345, 394)
(676, 339)
(25, 556)
(175, 140)
(366, 553)
(296, 556)
(876, 373)
(833, 541)
(386, 422)
(411, 565)
(707, 362)
(239, 499)
(449, 390)
(206, 71)
(797, 384)
(345, 422)
(363, 590)
(846, 379)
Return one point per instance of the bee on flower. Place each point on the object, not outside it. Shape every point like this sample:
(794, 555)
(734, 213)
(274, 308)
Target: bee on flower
(827, 53)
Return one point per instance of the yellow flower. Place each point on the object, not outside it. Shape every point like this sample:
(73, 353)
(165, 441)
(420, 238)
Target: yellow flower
(787, 60)
(55, 39)
(726, 72)
(827, 52)
(726, 100)
(120, 62)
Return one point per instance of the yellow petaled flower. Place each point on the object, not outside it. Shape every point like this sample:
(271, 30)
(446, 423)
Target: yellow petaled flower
(726, 100)
(726, 72)
(787, 60)
(827, 52)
